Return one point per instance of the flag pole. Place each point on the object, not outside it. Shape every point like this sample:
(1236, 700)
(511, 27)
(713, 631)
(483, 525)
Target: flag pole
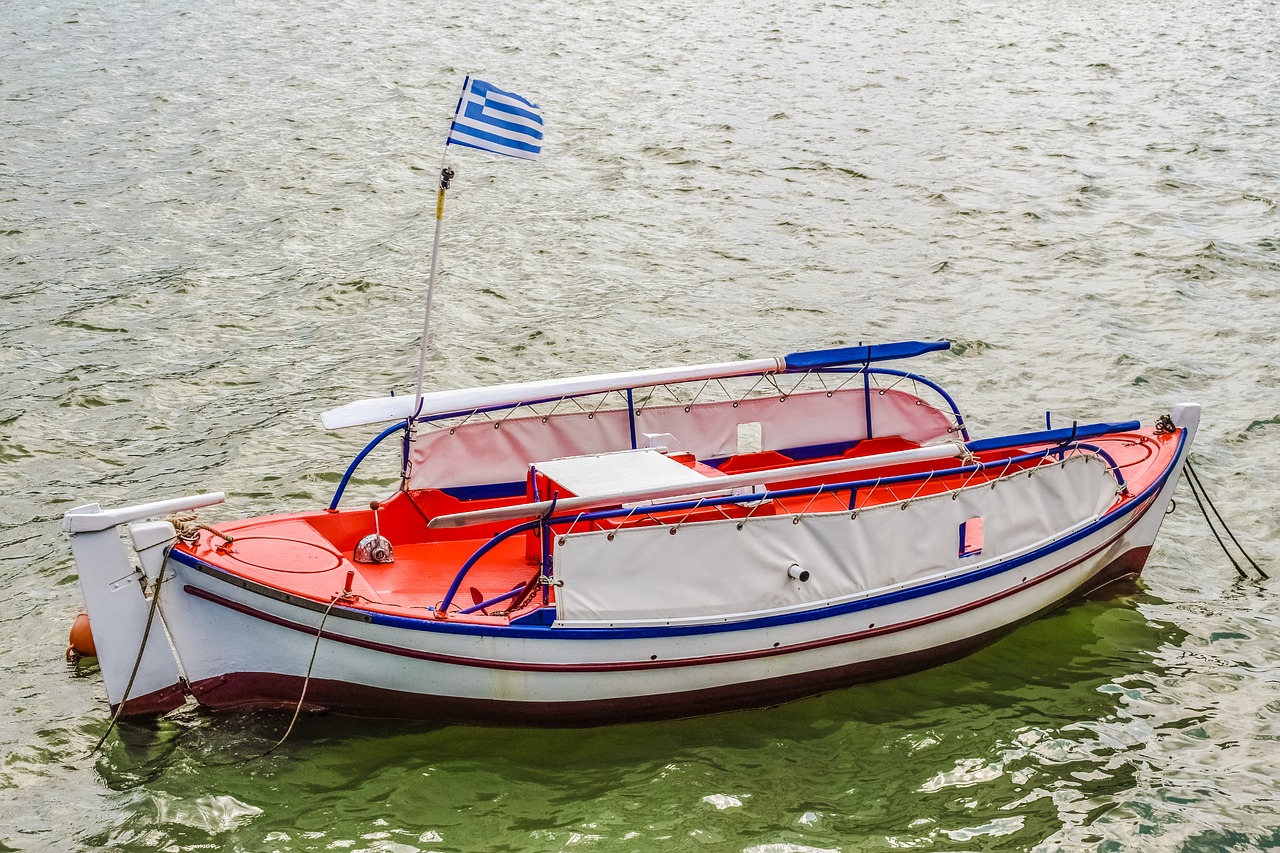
(489, 119)
(446, 175)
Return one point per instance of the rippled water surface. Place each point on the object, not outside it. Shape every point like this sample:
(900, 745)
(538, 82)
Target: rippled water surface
(215, 222)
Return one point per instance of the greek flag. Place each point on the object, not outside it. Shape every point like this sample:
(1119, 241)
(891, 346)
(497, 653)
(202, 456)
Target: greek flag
(493, 120)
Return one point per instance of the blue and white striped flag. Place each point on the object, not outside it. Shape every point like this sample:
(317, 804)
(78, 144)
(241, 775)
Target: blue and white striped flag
(493, 120)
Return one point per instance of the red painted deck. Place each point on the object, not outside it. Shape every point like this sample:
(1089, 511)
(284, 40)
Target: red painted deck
(310, 554)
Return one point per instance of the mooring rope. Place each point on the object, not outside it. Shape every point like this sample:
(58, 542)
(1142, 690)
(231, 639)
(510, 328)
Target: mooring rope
(137, 662)
(1198, 490)
(188, 529)
(306, 681)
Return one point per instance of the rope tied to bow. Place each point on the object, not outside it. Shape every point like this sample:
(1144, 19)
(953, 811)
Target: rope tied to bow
(188, 529)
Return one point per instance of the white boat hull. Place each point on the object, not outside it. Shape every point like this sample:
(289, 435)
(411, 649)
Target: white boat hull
(238, 647)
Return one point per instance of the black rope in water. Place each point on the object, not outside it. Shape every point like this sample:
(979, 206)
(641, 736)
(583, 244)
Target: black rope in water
(297, 710)
(1200, 503)
(1197, 490)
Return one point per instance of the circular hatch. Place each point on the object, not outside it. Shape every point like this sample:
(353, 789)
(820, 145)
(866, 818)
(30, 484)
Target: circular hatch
(282, 555)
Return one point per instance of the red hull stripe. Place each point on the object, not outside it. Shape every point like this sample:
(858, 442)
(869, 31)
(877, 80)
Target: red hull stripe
(622, 666)
(154, 703)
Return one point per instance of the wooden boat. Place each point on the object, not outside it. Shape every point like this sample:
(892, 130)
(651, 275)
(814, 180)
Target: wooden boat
(640, 545)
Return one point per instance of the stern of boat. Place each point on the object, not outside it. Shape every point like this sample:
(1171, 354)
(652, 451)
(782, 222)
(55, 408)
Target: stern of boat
(120, 573)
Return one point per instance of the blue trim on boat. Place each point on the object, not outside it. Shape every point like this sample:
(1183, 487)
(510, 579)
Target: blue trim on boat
(486, 491)
(819, 451)
(631, 415)
(1052, 436)
(866, 404)
(544, 616)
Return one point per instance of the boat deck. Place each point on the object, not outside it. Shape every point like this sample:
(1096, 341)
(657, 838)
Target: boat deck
(309, 555)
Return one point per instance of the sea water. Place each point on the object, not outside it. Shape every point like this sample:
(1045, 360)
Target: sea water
(216, 221)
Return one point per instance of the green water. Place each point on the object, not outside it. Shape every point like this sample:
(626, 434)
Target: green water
(983, 754)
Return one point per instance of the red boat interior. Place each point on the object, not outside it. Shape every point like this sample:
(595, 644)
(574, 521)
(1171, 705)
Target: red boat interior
(311, 554)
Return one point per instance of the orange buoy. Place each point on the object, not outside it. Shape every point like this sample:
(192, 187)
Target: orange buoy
(81, 644)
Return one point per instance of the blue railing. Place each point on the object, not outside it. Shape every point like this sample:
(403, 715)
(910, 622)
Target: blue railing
(355, 463)
(493, 542)
(1109, 459)
(914, 377)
